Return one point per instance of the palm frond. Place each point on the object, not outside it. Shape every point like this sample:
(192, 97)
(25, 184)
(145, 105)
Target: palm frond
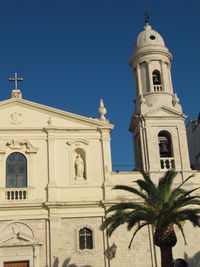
(113, 221)
(164, 185)
(181, 229)
(126, 206)
(139, 216)
(186, 180)
(144, 186)
(130, 189)
(135, 192)
(150, 183)
(135, 232)
(185, 201)
(192, 215)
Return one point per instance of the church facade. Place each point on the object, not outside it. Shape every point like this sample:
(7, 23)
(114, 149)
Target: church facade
(57, 179)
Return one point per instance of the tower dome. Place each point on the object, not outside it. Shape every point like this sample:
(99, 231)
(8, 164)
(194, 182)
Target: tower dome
(149, 37)
(149, 42)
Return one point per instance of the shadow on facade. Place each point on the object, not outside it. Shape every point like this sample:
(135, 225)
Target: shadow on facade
(193, 261)
(67, 263)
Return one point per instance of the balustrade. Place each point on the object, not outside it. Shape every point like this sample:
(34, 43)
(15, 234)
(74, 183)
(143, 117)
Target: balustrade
(167, 163)
(157, 88)
(16, 194)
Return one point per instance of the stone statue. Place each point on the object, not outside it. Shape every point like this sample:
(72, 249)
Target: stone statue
(79, 167)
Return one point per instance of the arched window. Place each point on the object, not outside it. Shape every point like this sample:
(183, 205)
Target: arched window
(166, 151)
(156, 77)
(16, 170)
(85, 238)
(165, 145)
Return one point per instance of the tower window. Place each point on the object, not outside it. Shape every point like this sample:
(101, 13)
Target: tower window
(157, 81)
(164, 141)
(16, 170)
(152, 37)
(166, 151)
(85, 238)
(156, 77)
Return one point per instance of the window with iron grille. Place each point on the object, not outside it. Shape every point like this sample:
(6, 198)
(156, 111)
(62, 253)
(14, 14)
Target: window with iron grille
(85, 238)
(16, 170)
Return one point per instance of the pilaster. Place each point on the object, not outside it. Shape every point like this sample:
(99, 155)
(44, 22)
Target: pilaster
(162, 63)
(144, 144)
(139, 80)
(51, 187)
(170, 78)
(106, 153)
(150, 82)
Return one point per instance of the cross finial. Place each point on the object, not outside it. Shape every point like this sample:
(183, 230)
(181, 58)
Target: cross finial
(146, 17)
(16, 91)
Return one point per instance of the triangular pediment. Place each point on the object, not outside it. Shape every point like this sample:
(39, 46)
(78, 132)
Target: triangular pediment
(21, 113)
(164, 112)
(161, 112)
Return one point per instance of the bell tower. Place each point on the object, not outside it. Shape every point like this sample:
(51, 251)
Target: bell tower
(157, 122)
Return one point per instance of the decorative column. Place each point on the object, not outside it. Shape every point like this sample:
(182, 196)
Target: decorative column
(3, 178)
(2, 168)
(36, 253)
(170, 78)
(55, 228)
(106, 160)
(105, 145)
(145, 154)
(31, 174)
(148, 62)
(52, 192)
(105, 140)
(162, 63)
(139, 80)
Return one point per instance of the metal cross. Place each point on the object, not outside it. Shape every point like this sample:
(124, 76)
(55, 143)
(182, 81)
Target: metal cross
(146, 17)
(16, 79)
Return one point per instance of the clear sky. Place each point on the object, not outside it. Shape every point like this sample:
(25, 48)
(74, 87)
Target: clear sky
(71, 53)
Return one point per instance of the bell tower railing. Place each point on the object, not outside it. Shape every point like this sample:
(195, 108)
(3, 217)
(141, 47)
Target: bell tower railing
(158, 88)
(167, 163)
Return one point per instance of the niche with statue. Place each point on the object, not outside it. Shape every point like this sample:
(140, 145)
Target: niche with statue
(79, 165)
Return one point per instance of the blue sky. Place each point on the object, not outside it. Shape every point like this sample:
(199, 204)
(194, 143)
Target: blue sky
(71, 53)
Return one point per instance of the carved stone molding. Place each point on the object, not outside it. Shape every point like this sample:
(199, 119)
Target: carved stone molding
(16, 118)
(77, 141)
(50, 121)
(17, 232)
(19, 144)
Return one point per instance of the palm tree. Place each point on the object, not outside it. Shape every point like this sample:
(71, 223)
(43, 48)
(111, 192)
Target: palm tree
(162, 206)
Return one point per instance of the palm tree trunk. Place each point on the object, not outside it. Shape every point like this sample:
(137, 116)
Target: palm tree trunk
(166, 256)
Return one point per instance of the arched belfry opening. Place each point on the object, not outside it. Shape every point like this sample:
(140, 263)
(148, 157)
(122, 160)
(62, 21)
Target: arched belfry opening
(165, 145)
(166, 150)
(157, 84)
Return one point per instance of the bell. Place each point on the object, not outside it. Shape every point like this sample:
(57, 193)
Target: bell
(164, 151)
(156, 79)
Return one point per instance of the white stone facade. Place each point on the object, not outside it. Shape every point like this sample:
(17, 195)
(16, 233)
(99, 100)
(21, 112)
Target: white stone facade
(69, 173)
